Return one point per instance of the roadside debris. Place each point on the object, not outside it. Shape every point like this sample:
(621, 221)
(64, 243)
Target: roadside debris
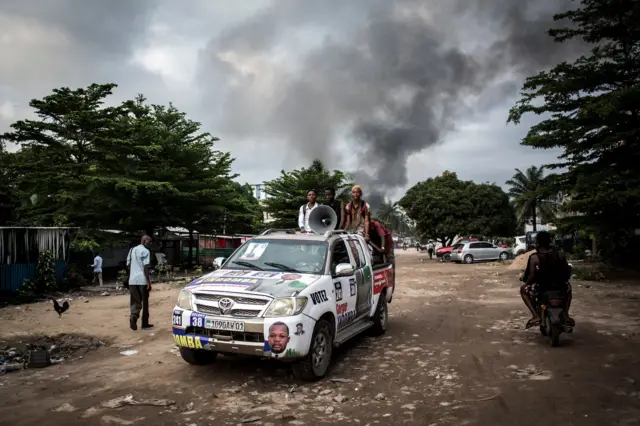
(129, 352)
(41, 351)
(121, 401)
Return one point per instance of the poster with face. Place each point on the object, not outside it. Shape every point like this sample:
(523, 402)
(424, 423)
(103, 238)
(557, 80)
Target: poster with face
(278, 337)
(288, 338)
(254, 251)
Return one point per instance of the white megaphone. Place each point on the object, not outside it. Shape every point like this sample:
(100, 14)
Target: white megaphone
(323, 219)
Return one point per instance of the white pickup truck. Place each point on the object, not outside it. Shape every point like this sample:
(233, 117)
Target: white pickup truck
(285, 295)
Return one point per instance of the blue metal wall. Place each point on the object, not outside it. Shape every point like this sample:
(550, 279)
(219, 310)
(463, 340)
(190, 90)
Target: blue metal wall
(11, 276)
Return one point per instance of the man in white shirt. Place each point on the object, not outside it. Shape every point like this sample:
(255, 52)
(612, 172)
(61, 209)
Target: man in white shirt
(97, 269)
(306, 209)
(138, 261)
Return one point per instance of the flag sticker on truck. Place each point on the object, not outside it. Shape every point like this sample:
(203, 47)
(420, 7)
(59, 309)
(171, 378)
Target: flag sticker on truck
(338, 286)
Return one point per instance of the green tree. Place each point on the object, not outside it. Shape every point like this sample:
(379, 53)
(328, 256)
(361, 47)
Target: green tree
(243, 213)
(529, 192)
(393, 217)
(444, 206)
(53, 171)
(591, 111)
(289, 191)
(134, 166)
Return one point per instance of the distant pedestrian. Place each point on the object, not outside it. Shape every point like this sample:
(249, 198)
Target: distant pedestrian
(97, 269)
(139, 283)
(430, 250)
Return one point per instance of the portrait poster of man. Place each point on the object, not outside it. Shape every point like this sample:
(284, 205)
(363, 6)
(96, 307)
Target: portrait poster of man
(278, 337)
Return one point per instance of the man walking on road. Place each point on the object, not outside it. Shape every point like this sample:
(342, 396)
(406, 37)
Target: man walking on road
(97, 269)
(139, 283)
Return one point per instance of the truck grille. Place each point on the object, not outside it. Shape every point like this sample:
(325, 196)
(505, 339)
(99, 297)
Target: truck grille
(234, 335)
(205, 309)
(240, 313)
(236, 299)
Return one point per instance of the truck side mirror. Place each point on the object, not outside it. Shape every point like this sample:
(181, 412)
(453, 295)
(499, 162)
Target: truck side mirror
(344, 270)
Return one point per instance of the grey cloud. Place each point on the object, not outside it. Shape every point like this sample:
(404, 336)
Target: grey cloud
(354, 79)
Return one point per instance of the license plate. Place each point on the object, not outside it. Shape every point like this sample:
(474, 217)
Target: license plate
(225, 325)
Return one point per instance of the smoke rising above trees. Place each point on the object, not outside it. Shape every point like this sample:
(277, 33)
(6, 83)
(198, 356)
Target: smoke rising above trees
(387, 80)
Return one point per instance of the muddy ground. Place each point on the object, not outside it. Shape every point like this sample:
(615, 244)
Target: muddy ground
(455, 354)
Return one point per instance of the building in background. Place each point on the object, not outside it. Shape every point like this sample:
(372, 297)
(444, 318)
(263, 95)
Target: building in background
(261, 195)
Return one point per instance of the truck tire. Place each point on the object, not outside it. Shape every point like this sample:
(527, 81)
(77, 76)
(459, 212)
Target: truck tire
(315, 365)
(380, 317)
(198, 356)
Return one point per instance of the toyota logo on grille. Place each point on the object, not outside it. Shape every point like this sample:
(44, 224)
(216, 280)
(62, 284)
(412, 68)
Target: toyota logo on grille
(225, 305)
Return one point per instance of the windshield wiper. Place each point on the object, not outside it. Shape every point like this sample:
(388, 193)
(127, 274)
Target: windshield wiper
(281, 266)
(248, 265)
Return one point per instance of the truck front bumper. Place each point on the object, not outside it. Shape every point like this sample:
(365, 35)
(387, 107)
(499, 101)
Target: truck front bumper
(253, 340)
(249, 342)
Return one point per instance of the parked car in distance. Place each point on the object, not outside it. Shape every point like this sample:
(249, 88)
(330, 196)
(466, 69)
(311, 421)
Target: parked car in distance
(520, 246)
(477, 251)
(445, 252)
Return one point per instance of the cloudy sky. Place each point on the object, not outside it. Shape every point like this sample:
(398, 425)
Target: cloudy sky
(396, 91)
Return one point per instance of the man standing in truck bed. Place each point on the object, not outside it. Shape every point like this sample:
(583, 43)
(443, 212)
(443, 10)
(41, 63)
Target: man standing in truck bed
(358, 213)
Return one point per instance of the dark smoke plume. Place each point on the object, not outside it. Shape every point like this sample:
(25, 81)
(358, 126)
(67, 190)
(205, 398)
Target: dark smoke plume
(391, 77)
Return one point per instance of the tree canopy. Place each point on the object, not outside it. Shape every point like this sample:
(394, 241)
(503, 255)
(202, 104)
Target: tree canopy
(289, 191)
(591, 110)
(133, 166)
(529, 192)
(444, 206)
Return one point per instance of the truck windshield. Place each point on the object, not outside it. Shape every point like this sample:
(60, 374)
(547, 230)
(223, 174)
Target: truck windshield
(280, 255)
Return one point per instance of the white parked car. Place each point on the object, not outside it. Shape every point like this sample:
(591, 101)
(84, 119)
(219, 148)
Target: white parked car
(520, 246)
(285, 295)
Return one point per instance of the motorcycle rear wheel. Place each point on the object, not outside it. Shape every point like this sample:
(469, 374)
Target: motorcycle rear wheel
(552, 333)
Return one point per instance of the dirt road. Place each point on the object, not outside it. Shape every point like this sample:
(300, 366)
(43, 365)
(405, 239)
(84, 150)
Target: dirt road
(455, 354)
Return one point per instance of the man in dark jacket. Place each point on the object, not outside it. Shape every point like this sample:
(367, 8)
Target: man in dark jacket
(337, 206)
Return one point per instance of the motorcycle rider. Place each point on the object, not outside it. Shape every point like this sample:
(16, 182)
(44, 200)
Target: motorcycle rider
(549, 270)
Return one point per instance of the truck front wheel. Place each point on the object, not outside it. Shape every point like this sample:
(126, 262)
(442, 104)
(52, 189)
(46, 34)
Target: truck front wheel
(315, 365)
(198, 356)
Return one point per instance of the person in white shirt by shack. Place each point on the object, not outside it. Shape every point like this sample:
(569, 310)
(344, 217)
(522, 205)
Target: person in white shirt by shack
(303, 216)
(139, 283)
(97, 269)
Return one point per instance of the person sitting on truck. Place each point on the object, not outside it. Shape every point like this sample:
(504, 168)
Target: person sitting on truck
(549, 270)
(305, 209)
(358, 213)
(381, 238)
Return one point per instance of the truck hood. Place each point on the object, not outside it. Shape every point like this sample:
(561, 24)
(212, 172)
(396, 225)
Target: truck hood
(276, 284)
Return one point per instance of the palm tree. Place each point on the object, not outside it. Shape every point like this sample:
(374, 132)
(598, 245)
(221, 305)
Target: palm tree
(529, 195)
(394, 218)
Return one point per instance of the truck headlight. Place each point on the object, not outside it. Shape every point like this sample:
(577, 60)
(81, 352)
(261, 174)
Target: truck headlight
(185, 300)
(286, 307)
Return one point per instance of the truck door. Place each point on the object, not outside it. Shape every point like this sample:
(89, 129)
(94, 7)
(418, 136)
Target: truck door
(363, 278)
(345, 289)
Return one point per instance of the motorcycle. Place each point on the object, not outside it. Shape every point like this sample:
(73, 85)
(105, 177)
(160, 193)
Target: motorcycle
(550, 305)
(404, 246)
